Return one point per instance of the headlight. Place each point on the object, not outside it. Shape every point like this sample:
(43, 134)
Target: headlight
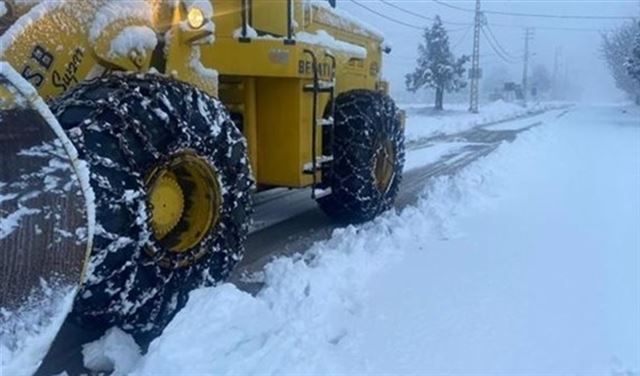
(195, 18)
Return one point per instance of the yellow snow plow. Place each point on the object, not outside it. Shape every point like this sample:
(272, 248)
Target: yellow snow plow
(133, 184)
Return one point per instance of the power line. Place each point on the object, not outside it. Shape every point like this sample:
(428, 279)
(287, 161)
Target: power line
(552, 28)
(387, 17)
(398, 21)
(407, 11)
(453, 6)
(463, 38)
(538, 15)
(574, 17)
(496, 50)
(495, 41)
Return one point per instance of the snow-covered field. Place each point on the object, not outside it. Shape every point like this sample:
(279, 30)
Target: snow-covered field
(527, 262)
(423, 121)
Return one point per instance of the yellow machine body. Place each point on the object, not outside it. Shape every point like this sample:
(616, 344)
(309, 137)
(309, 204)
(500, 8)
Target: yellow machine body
(254, 55)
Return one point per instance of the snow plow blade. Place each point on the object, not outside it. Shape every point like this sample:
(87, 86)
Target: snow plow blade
(46, 223)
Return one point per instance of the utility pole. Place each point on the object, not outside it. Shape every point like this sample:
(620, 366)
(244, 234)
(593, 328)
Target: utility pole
(528, 35)
(556, 67)
(474, 73)
(565, 79)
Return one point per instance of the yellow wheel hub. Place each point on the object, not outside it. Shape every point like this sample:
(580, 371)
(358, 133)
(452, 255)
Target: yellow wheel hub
(384, 165)
(167, 201)
(185, 199)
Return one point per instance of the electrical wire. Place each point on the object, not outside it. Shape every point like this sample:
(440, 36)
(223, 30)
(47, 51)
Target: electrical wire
(551, 28)
(497, 44)
(398, 21)
(538, 15)
(496, 50)
(559, 16)
(453, 6)
(462, 39)
(407, 11)
(387, 17)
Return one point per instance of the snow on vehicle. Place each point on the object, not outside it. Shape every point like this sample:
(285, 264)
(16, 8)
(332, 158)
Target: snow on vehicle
(168, 115)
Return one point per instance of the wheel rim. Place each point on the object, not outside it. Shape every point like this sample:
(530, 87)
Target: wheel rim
(384, 164)
(185, 199)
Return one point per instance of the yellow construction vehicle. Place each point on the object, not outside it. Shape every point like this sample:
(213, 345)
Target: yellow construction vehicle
(133, 184)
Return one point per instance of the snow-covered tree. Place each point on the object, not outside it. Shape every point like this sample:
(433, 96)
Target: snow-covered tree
(437, 68)
(616, 48)
(633, 63)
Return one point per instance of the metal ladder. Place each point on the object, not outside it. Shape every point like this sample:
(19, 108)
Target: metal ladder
(318, 163)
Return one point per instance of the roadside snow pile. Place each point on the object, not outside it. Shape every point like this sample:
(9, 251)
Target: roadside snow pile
(521, 264)
(424, 122)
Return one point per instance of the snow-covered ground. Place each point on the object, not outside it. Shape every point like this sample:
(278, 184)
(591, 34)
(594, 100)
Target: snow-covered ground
(527, 262)
(423, 121)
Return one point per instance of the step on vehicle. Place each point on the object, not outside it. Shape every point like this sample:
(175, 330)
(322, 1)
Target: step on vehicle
(133, 135)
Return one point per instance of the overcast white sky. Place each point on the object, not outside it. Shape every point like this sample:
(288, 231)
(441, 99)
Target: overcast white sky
(579, 47)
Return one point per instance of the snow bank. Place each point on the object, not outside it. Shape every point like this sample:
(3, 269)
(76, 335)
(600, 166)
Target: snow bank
(520, 264)
(303, 321)
(115, 352)
(423, 122)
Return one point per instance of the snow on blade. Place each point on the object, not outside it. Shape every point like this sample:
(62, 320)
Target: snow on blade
(9, 223)
(25, 335)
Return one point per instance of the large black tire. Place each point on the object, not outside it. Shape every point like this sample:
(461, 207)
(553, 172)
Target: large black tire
(123, 125)
(365, 120)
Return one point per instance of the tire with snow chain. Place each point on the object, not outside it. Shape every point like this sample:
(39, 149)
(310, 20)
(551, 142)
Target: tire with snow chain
(172, 195)
(368, 155)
